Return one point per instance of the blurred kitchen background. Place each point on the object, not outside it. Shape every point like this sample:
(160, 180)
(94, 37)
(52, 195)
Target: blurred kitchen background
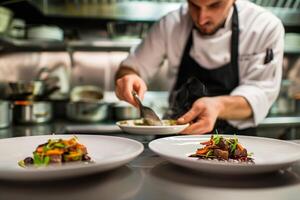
(82, 42)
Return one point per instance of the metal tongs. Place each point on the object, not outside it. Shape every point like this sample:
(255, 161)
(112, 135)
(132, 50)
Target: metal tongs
(148, 115)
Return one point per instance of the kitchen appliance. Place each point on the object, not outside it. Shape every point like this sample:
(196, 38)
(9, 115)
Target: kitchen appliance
(86, 93)
(86, 104)
(56, 77)
(25, 89)
(32, 112)
(124, 111)
(29, 90)
(5, 114)
(87, 111)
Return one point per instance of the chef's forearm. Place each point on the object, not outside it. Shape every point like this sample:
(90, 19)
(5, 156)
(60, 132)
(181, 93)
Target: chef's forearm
(124, 70)
(233, 107)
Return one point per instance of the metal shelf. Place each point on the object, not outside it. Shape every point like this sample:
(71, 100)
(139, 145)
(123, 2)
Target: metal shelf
(14, 45)
(283, 121)
(144, 11)
(147, 10)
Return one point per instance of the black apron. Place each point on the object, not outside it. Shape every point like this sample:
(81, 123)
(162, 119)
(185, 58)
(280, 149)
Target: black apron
(219, 81)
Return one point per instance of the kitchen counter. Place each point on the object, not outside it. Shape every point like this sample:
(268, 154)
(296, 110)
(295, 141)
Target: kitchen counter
(150, 177)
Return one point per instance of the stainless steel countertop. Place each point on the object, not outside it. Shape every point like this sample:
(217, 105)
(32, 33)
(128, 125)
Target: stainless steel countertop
(281, 121)
(150, 177)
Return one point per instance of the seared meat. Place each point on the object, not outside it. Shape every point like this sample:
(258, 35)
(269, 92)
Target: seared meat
(223, 149)
(221, 154)
(240, 153)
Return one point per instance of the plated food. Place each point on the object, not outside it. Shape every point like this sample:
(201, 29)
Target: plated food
(106, 152)
(223, 149)
(57, 151)
(138, 126)
(269, 154)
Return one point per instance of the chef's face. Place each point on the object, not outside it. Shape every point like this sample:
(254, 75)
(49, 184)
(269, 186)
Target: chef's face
(209, 15)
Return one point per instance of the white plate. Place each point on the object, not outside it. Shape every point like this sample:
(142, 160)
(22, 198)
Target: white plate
(93, 128)
(129, 127)
(269, 154)
(107, 152)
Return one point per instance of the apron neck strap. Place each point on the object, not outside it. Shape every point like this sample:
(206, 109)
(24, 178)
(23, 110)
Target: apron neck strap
(235, 38)
(234, 49)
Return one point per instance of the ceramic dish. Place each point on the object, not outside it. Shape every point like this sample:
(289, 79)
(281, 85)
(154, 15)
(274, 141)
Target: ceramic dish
(106, 152)
(268, 154)
(137, 127)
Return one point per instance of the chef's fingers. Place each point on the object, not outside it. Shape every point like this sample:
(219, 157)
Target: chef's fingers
(202, 126)
(127, 84)
(124, 87)
(129, 87)
(140, 87)
(192, 114)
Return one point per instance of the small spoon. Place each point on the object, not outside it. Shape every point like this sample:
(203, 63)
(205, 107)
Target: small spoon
(149, 116)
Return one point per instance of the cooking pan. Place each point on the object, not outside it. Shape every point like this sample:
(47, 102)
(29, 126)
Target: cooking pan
(87, 111)
(31, 90)
(25, 89)
(122, 111)
(5, 113)
(86, 93)
(31, 112)
(87, 105)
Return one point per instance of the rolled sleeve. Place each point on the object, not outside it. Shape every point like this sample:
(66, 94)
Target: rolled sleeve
(258, 101)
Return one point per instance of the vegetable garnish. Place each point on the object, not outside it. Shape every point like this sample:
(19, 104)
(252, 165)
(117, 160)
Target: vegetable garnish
(56, 151)
(223, 149)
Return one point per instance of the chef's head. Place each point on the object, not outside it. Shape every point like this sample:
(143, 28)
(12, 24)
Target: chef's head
(209, 15)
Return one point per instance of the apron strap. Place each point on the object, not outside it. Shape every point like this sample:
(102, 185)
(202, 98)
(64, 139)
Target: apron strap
(235, 42)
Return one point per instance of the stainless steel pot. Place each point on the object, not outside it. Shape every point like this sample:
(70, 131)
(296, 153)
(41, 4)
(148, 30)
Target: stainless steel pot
(5, 114)
(30, 112)
(86, 93)
(125, 112)
(87, 111)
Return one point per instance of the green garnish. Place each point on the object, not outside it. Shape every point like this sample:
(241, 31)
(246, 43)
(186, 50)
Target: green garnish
(37, 160)
(209, 154)
(40, 160)
(216, 139)
(45, 148)
(21, 163)
(233, 145)
(46, 160)
(59, 145)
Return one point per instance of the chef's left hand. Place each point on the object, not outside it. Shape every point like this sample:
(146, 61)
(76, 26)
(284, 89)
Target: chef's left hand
(202, 116)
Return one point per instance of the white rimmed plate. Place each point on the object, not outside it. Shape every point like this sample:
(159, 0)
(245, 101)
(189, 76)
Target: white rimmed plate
(130, 126)
(107, 152)
(269, 154)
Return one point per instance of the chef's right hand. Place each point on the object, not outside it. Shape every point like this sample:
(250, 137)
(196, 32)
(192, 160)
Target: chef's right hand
(128, 83)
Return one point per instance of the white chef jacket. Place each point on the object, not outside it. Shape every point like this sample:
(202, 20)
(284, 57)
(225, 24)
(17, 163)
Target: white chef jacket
(259, 83)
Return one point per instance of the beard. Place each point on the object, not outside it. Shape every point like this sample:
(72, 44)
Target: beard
(203, 30)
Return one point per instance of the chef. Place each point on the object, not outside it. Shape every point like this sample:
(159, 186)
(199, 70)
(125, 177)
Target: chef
(235, 48)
